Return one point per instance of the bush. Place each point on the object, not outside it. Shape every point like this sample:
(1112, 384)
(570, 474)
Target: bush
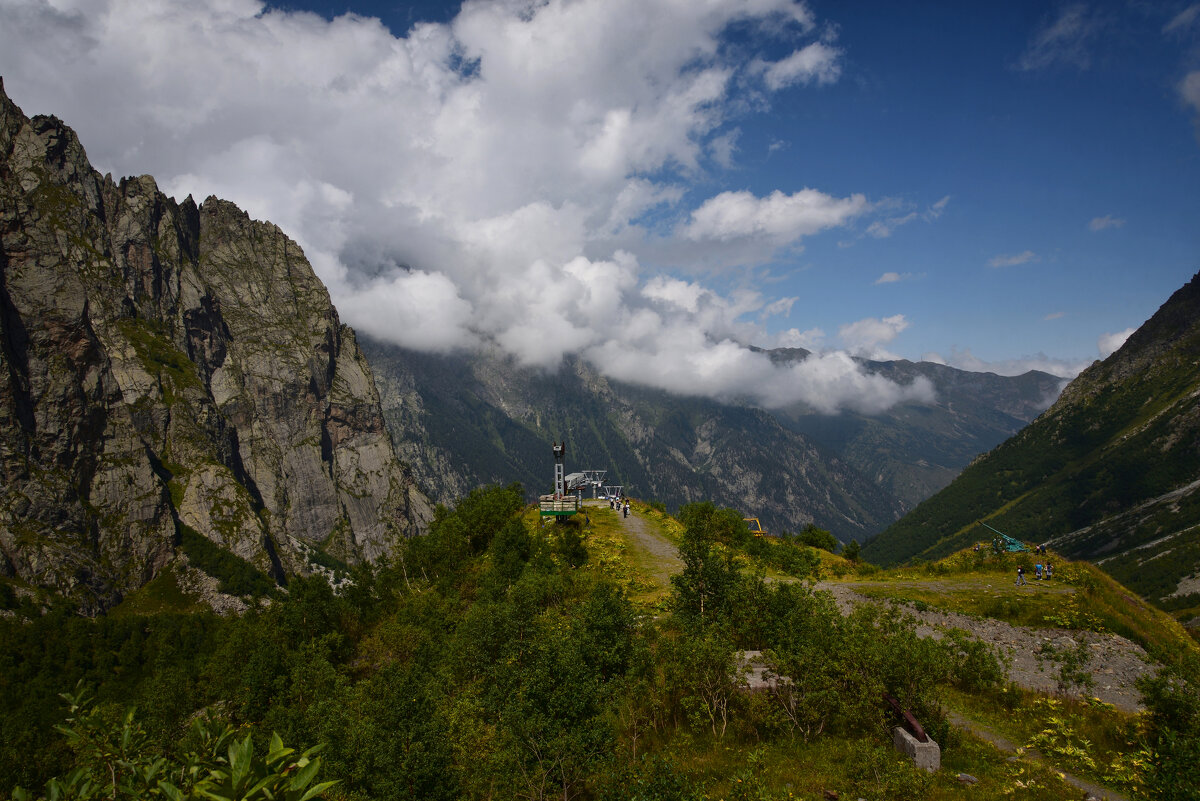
(114, 760)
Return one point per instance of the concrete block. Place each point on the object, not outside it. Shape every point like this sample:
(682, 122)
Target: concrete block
(927, 755)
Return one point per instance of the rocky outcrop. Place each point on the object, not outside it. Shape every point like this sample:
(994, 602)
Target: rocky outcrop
(162, 366)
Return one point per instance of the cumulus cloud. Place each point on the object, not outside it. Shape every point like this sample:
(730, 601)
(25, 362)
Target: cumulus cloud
(1109, 344)
(1107, 221)
(1063, 40)
(513, 178)
(777, 218)
(1011, 260)
(866, 337)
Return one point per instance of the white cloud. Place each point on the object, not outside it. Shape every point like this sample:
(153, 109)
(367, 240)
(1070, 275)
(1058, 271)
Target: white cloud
(1107, 221)
(777, 218)
(864, 337)
(1055, 316)
(1183, 19)
(936, 210)
(817, 62)
(881, 229)
(480, 183)
(1108, 344)
(1013, 259)
(1064, 40)
(812, 339)
(892, 278)
(724, 146)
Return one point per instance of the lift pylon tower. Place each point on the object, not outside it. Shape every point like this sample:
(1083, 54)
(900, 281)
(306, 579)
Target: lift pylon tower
(560, 485)
(560, 504)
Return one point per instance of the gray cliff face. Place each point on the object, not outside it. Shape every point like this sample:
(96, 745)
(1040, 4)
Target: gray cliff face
(163, 366)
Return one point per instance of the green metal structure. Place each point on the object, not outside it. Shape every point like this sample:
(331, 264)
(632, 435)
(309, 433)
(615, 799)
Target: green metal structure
(1002, 543)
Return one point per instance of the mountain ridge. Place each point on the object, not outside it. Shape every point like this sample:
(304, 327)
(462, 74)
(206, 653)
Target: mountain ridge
(1108, 473)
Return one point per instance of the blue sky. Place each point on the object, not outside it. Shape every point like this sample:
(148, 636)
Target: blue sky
(656, 185)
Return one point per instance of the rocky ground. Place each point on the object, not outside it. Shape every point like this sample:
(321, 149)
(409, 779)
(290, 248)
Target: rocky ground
(1115, 663)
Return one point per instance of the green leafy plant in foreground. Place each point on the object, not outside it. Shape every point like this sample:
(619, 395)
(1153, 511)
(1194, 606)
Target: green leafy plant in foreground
(115, 760)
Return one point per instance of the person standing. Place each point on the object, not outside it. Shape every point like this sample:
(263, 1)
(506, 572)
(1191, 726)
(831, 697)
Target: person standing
(626, 508)
(1020, 575)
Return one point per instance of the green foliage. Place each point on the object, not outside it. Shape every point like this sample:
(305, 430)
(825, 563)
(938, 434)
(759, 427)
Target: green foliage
(235, 574)
(1172, 698)
(456, 536)
(116, 760)
(707, 586)
(851, 551)
(478, 663)
(818, 538)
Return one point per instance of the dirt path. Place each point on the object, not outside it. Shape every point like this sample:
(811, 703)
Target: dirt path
(661, 554)
(1115, 663)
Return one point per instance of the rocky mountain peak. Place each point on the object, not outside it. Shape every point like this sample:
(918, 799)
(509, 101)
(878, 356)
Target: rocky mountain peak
(168, 368)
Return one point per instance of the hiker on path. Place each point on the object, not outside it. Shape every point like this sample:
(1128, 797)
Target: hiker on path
(626, 508)
(1020, 576)
(1049, 570)
(1037, 569)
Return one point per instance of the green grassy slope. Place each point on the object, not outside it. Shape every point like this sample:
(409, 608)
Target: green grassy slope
(1105, 474)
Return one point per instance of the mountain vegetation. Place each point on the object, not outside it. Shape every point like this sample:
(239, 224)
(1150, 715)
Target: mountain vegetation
(488, 659)
(1109, 473)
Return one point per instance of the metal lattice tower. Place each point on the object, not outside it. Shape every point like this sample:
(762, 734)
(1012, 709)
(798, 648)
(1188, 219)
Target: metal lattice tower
(560, 488)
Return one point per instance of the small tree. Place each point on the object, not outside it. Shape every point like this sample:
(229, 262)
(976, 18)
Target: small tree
(851, 550)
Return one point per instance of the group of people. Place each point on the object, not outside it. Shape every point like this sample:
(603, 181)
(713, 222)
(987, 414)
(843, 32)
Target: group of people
(615, 503)
(1041, 572)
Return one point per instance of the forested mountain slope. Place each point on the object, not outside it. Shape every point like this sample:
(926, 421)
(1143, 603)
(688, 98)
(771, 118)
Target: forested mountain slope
(1109, 473)
(468, 419)
(171, 375)
(465, 420)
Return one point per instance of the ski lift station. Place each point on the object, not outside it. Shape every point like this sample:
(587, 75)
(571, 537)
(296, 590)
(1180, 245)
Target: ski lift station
(567, 498)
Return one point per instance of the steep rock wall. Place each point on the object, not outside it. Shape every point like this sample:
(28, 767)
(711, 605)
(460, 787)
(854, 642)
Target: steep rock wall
(163, 366)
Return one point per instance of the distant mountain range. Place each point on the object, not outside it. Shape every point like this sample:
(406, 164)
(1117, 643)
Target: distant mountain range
(1110, 473)
(469, 419)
